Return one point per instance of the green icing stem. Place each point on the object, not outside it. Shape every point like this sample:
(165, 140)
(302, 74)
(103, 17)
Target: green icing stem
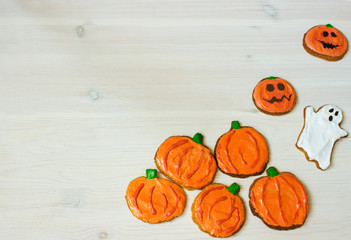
(329, 25)
(198, 138)
(235, 125)
(234, 188)
(151, 173)
(271, 77)
(272, 172)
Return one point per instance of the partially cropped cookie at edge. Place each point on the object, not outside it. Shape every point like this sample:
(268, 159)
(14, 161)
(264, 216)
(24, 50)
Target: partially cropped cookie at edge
(242, 151)
(320, 132)
(274, 96)
(326, 42)
(153, 200)
(186, 161)
(218, 210)
(279, 200)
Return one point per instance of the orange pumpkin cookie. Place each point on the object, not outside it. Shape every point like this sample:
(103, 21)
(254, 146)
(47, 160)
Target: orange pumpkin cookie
(186, 161)
(274, 95)
(241, 152)
(218, 211)
(154, 200)
(325, 41)
(279, 199)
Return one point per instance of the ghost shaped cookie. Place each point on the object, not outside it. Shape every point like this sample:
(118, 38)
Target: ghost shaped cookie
(320, 132)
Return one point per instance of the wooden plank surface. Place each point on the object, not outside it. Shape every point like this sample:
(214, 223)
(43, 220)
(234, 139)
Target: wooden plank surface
(83, 113)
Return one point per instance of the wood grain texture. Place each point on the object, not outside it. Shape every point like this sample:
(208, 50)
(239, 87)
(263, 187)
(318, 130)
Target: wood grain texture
(160, 68)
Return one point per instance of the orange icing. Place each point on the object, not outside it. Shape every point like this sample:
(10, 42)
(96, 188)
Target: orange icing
(280, 201)
(155, 200)
(264, 99)
(218, 212)
(153, 210)
(186, 162)
(173, 146)
(314, 36)
(242, 152)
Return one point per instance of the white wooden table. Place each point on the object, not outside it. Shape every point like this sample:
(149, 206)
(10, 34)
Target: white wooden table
(90, 89)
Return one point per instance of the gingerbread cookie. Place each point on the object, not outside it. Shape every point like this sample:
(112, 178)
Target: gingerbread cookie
(274, 95)
(186, 161)
(241, 152)
(325, 41)
(279, 199)
(153, 199)
(320, 132)
(218, 211)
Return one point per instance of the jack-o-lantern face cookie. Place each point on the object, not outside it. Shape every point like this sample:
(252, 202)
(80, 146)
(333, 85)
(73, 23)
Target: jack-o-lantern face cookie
(218, 210)
(274, 95)
(325, 41)
(153, 199)
(186, 161)
(279, 199)
(241, 152)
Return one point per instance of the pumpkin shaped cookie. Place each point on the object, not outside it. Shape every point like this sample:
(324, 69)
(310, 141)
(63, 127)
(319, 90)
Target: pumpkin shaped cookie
(186, 161)
(218, 211)
(325, 41)
(274, 95)
(241, 152)
(279, 199)
(153, 199)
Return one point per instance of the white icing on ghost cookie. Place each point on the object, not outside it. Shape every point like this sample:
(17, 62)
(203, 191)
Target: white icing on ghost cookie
(320, 132)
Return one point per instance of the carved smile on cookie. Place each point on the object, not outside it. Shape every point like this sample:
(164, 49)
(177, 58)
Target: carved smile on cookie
(274, 96)
(274, 99)
(328, 45)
